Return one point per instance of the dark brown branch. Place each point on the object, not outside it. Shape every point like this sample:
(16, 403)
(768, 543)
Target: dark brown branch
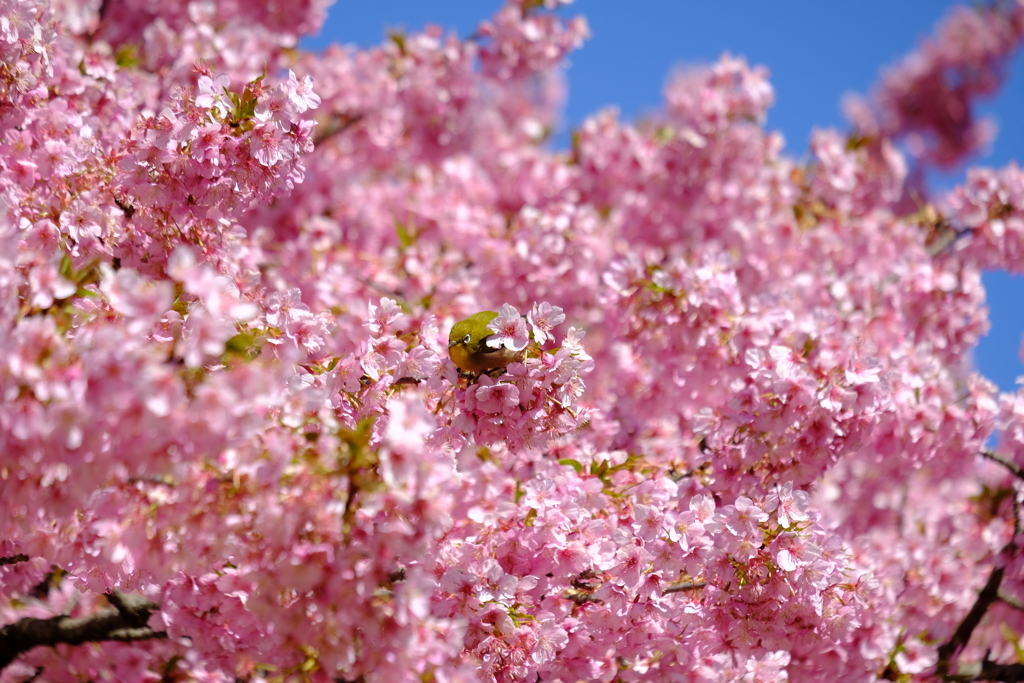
(125, 620)
(1016, 517)
(13, 559)
(985, 670)
(957, 642)
(1014, 468)
(989, 671)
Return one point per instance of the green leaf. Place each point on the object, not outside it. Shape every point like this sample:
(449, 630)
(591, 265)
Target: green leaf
(405, 237)
(239, 344)
(399, 40)
(127, 56)
(575, 464)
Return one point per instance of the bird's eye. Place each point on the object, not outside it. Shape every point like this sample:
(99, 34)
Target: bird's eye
(465, 340)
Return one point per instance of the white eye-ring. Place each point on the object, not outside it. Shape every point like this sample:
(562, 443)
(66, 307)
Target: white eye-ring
(465, 340)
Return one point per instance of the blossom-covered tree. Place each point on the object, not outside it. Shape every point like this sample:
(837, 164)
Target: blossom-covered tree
(741, 439)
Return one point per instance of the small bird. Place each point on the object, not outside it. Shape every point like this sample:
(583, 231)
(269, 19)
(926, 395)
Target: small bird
(467, 345)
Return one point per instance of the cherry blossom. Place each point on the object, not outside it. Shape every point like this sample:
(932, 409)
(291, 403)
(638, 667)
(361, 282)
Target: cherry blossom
(509, 330)
(741, 438)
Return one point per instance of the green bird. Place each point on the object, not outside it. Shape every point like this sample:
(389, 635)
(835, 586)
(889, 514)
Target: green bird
(467, 345)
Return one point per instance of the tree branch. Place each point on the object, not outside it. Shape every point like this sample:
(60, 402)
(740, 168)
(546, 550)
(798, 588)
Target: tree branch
(336, 125)
(989, 671)
(1012, 601)
(988, 595)
(985, 670)
(1012, 466)
(125, 620)
(685, 586)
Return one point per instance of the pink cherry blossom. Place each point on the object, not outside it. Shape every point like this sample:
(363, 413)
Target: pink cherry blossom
(542, 318)
(788, 505)
(509, 330)
(233, 443)
(498, 399)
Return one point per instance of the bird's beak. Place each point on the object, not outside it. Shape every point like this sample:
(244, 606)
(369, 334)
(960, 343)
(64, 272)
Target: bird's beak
(452, 343)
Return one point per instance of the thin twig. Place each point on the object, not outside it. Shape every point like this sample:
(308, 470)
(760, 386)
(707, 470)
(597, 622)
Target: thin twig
(1014, 468)
(337, 125)
(1011, 601)
(685, 586)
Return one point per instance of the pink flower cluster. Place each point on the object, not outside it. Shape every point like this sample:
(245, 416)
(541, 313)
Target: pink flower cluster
(214, 156)
(226, 388)
(534, 400)
(546, 594)
(988, 207)
(927, 98)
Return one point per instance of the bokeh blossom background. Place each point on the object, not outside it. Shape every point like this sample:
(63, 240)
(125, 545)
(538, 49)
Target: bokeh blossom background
(818, 53)
(232, 443)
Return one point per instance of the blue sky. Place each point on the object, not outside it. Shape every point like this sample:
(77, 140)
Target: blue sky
(816, 53)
